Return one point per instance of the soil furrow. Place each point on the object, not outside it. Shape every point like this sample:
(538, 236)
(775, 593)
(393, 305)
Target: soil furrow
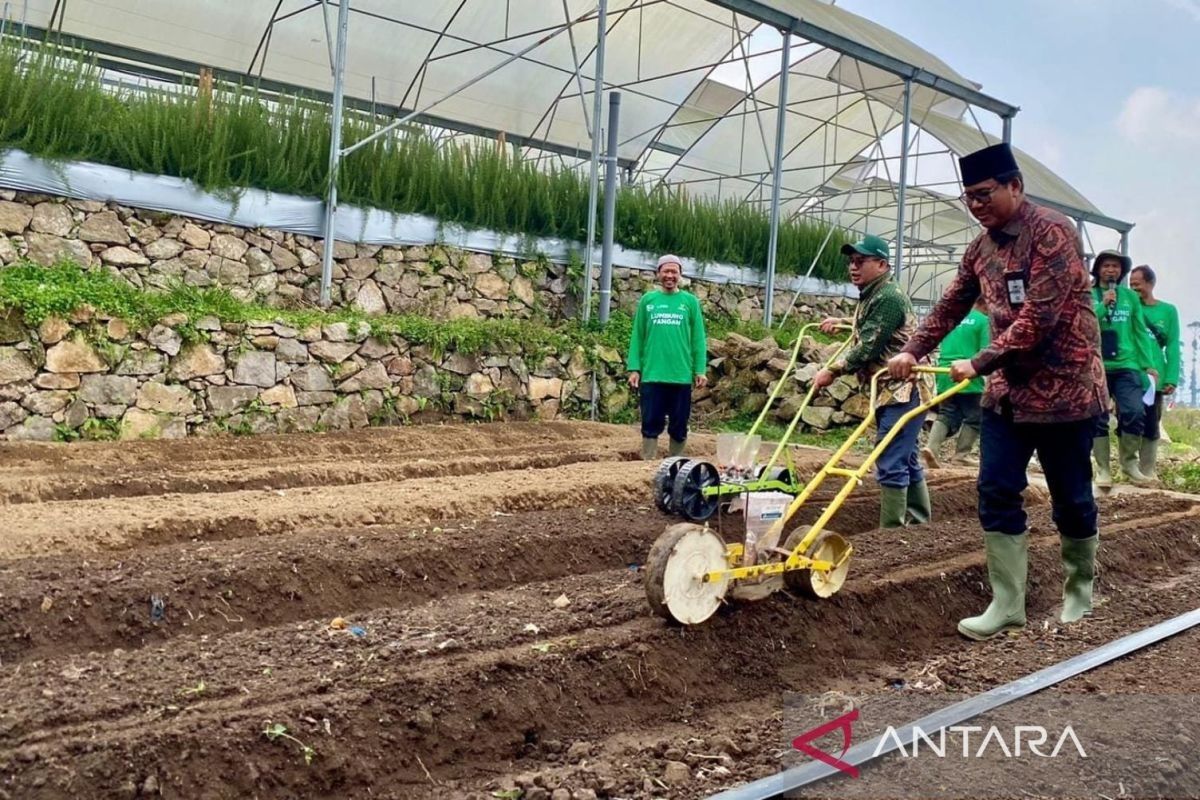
(105, 600)
(162, 604)
(489, 705)
(242, 477)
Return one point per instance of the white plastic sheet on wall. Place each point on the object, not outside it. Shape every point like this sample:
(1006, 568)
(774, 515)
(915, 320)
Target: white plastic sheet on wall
(254, 208)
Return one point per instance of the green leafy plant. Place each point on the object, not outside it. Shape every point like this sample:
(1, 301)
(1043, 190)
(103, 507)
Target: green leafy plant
(100, 430)
(1181, 477)
(278, 730)
(65, 433)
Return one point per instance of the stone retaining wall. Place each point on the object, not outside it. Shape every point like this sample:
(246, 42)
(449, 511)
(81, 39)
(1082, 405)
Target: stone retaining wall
(151, 249)
(92, 377)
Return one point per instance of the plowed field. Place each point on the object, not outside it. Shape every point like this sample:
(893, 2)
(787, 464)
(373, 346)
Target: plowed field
(166, 605)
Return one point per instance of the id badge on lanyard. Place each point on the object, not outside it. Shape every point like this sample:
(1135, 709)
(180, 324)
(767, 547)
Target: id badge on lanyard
(1016, 284)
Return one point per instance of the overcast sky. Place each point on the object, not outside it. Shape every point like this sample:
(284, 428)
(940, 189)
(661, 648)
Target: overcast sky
(1109, 92)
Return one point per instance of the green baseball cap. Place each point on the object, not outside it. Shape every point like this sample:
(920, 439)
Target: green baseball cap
(869, 246)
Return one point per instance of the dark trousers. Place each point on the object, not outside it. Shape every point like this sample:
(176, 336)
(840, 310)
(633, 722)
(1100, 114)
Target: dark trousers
(899, 465)
(958, 410)
(1153, 417)
(665, 401)
(1064, 450)
(1125, 388)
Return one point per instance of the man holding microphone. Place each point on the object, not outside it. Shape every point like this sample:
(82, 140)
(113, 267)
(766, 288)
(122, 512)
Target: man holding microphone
(1128, 359)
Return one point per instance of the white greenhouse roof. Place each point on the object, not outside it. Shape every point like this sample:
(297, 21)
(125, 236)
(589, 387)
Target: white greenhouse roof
(698, 79)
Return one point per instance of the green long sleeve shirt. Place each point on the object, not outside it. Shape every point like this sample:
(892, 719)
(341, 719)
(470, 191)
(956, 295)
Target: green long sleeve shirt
(1126, 320)
(883, 323)
(966, 341)
(1163, 321)
(669, 344)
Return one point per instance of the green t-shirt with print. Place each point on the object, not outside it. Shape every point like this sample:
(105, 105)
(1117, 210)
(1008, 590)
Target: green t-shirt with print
(668, 344)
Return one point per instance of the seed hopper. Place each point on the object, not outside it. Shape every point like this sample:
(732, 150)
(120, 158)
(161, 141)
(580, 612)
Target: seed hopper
(695, 488)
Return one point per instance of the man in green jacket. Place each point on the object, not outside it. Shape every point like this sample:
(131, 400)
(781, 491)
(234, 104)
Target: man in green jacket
(1163, 321)
(883, 323)
(960, 413)
(668, 355)
(1125, 346)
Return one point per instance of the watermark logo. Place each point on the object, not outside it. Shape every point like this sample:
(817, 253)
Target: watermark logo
(804, 741)
(910, 740)
(1055, 744)
(1033, 736)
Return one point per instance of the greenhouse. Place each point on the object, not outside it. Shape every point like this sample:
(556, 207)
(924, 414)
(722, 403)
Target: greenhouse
(866, 145)
(550, 400)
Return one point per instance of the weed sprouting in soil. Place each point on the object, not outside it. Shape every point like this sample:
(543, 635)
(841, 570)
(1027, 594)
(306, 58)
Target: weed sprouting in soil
(277, 731)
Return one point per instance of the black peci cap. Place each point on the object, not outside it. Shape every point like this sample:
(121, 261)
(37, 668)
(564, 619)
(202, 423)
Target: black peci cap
(987, 163)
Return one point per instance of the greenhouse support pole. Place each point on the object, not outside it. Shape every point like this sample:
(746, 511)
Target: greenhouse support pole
(780, 128)
(1007, 130)
(594, 185)
(335, 152)
(1124, 243)
(900, 201)
(610, 205)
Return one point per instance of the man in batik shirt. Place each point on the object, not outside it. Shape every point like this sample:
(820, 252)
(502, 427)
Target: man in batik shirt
(882, 324)
(1045, 385)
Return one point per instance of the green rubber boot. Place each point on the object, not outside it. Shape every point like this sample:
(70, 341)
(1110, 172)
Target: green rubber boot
(675, 448)
(893, 505)
(649, 449)
(1079, 567)
(1129, 446)
(967, 437)
(1102, 453)
(1008, 567)
(937, 435)
(919, 506)
(1148, 458)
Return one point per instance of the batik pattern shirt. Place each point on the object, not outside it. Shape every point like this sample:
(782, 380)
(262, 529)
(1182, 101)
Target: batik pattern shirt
(1044, 357)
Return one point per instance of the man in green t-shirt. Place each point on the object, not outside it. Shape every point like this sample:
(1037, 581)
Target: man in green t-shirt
(668, 355)
(1163, 321)
(960, 413)
(1125, 347)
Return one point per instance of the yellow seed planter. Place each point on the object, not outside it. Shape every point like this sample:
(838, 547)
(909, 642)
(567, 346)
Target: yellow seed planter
(691, 569)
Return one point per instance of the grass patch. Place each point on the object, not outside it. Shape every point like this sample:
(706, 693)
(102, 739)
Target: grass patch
(1183, 426)
(52, 105)
(1180, 476)
(41, 292)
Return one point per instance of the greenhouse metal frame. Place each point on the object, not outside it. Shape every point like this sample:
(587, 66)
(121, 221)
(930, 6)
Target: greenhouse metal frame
(797, 106)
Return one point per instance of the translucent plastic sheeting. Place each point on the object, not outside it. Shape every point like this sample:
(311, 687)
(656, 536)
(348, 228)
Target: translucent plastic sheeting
(1040, 180)
(858, 29)
(254, 208)
(410, 54)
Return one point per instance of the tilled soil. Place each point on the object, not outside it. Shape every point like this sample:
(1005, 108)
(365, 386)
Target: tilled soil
(167, 619)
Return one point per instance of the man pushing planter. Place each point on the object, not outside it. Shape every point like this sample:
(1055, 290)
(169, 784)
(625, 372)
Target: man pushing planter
(1045, 389)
